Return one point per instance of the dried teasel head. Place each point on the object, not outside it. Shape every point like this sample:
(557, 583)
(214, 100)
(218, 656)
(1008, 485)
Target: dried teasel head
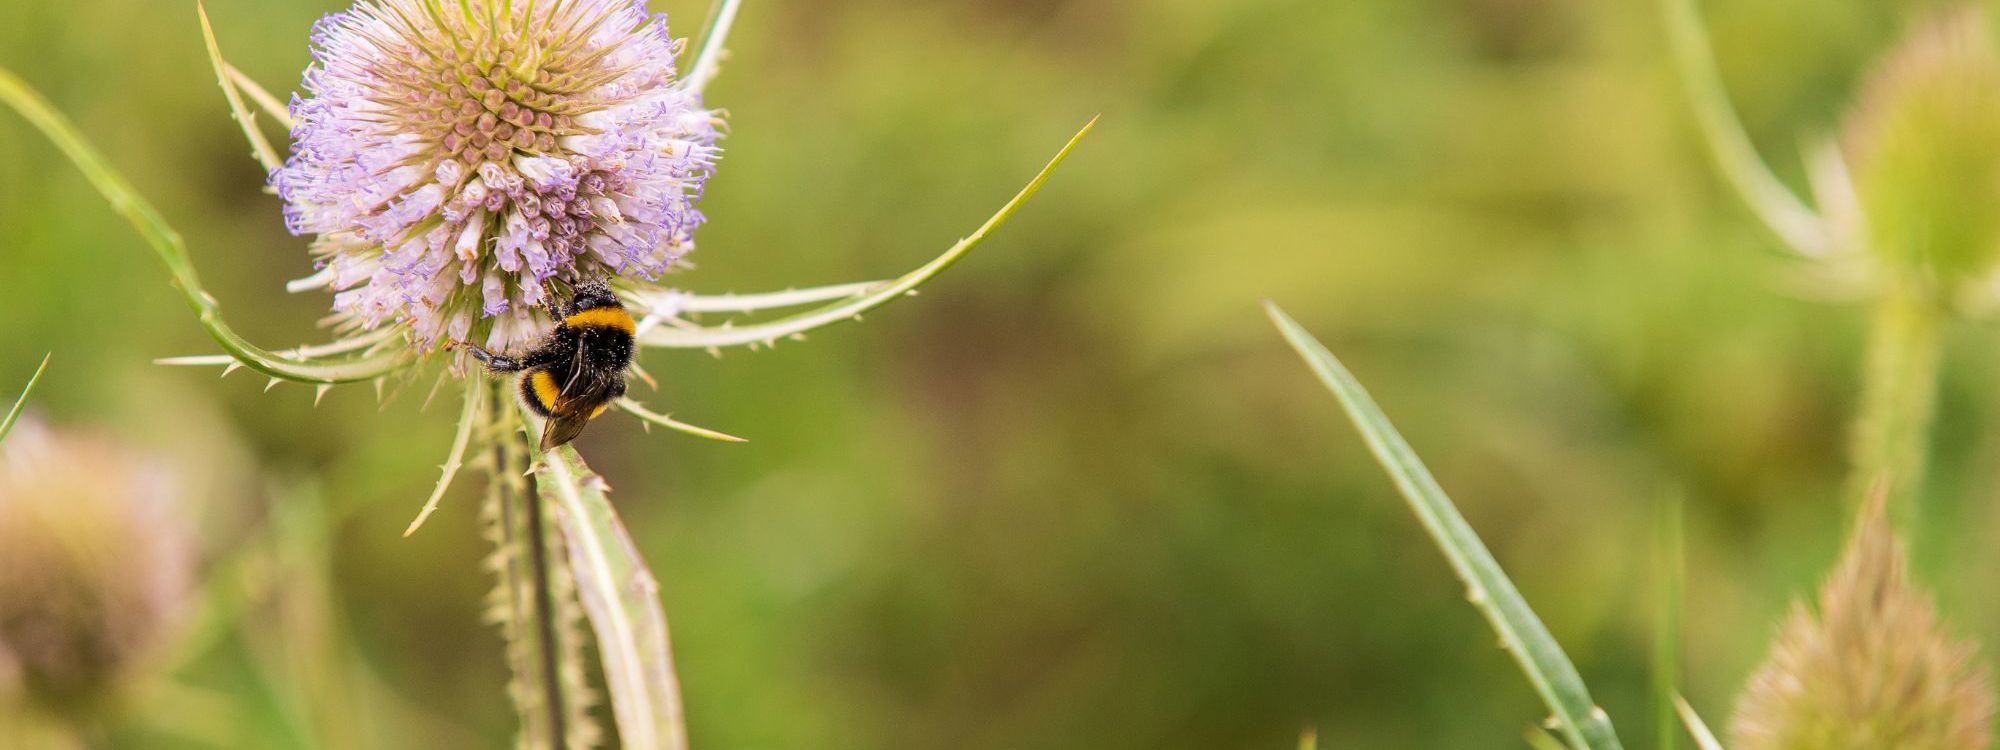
(1872, 670)
(96, 568)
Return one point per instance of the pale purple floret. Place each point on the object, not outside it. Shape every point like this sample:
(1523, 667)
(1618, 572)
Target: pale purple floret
(449, 158)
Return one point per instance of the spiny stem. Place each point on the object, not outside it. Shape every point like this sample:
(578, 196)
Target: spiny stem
(1899, 395)
(545, 614)
(521, 603)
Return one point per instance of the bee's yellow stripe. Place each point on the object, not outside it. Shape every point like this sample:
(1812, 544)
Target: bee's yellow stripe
(602, 317)
(546, 389)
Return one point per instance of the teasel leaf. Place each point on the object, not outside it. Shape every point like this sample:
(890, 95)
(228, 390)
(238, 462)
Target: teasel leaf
(369, 343)
(767, 333)
(620, 596)
(1582, 723)
(172, 251)
(21, 402)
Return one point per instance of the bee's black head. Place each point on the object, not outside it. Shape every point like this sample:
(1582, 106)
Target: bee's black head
(591, 295)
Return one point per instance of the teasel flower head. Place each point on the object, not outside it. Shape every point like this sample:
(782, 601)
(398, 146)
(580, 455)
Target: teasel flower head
(1872, 669)
(96, 568)
(1900, 192)
(453, 159)
(1922, 146)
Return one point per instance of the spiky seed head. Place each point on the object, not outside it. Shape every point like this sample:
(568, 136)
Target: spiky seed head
(96, 568)
(1923, 145)
(452, 158)
(1873, 669)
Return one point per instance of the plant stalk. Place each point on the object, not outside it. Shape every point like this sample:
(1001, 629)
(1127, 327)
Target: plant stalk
(524, 603)
(1898, 397)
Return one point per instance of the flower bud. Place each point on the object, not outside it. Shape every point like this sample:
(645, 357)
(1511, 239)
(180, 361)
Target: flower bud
(1923, 147)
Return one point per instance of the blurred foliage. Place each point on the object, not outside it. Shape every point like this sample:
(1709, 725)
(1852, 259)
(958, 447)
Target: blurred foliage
(1078, 494)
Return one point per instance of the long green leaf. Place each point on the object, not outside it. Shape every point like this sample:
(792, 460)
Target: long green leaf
(769, 332)
(620, 596)
(1522, 633)
(172, 251)
(13, 414)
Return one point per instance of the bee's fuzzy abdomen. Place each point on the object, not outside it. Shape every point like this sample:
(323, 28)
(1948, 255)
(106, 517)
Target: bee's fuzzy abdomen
(539, 390)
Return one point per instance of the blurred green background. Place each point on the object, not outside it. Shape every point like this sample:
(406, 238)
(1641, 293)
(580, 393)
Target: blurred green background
(1078, 494)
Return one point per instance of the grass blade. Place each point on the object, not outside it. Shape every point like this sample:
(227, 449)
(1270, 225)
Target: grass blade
(172, 251)
(769, 332)
(621, 598)
(21, 403)
(1799, 226)
(1524, 636)
(1670, 558)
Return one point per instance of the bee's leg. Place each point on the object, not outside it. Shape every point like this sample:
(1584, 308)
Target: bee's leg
(495, 362)
(555, 302)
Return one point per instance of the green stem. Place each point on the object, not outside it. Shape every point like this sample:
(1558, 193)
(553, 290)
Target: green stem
(1898, 397)
(526, 607)
(545, 611)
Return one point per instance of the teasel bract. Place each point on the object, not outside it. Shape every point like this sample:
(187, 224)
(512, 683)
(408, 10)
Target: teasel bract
(459, 165)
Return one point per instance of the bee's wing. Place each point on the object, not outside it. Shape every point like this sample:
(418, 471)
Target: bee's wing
(581, 397)
(564, 425)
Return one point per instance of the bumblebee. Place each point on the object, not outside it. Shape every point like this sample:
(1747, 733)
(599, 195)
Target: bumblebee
(578, 369)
